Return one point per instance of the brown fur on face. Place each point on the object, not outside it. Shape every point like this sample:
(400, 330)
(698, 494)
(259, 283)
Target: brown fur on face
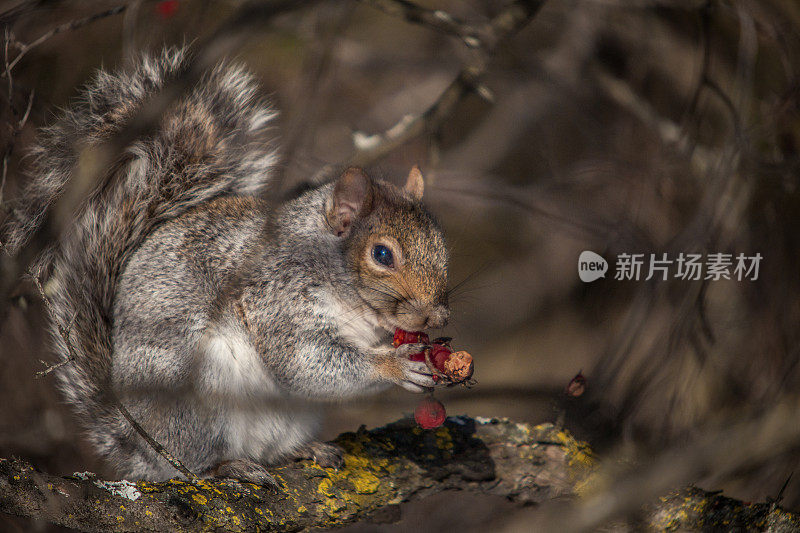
(413, 293)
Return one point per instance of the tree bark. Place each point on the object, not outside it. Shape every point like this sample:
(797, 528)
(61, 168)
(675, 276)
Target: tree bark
(383, 468)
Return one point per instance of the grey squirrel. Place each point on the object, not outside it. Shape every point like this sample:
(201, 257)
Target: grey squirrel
(221, 349)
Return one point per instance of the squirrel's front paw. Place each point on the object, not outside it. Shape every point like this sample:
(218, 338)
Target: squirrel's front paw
(417, 376)
(395, 365)
(404, 351)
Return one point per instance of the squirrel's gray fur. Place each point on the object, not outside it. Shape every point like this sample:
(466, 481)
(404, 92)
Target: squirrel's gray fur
(217, 342)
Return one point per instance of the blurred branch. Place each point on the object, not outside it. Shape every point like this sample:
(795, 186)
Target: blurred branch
(157, 446)
(370, 148)
(671, 134)
(24, 48)
(718, 451)
(433, 18)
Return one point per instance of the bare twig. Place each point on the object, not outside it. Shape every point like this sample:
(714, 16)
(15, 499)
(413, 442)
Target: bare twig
(703, 160)
(433, 18)
(72, 25)
(64, 332)
(370, 148)
(171, 459)
(24, 119)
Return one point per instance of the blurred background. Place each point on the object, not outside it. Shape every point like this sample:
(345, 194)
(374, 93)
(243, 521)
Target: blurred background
(639, 126)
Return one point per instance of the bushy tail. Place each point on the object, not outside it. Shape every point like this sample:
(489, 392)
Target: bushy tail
(208, 144)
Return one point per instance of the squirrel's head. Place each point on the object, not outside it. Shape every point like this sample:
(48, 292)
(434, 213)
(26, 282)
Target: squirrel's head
(394, 247)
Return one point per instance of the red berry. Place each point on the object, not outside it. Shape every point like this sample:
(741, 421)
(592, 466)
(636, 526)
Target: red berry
(439, 355)
(430, 413)
(402, 336)
(167, 8)
(419, 356)
(399, 335)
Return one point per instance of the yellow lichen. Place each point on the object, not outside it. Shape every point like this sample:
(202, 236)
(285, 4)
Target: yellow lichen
(325, 487)
(444, 440)
(200, 499)
(366, 483)
(578, 453)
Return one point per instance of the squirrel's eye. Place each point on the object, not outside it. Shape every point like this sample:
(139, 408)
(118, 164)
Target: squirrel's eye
(383, 255)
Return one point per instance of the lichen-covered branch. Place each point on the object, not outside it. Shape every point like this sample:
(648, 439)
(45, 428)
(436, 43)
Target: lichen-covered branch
(697, 510)
(383, 468)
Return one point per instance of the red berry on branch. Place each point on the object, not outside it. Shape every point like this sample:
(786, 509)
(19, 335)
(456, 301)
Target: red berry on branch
(455, 367)
(419, 356)
(408, 337)
(430, 413)
(439, 356)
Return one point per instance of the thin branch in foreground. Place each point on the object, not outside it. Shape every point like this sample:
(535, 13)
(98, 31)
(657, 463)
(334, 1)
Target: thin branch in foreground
(171, 459)
(64, 332)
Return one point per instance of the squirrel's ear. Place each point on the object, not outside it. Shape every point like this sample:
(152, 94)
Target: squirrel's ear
(352, 197)
(415, 185)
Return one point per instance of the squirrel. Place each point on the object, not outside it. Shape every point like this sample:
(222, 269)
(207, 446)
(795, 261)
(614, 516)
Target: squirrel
(223, 340)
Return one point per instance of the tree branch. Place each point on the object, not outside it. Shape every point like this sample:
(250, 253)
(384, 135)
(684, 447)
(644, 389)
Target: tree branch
(383, 468)
(370, 148)
(68, 26)
(433, 18)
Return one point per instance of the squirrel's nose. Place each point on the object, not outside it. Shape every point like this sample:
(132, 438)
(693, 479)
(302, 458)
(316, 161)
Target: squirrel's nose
(438, 317)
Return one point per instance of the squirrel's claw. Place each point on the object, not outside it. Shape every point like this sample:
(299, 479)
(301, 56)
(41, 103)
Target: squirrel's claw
(404, 351)
(246, 471)
(325, 454)
(417, 376)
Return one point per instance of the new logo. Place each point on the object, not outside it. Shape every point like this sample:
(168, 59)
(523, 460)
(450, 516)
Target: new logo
(591, 266)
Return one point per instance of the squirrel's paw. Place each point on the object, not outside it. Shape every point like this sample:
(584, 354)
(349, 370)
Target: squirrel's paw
(417, 376)
(325, 454)
(404, 351)
(245, 470)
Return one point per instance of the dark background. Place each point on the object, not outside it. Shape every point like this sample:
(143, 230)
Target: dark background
(612, 126)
